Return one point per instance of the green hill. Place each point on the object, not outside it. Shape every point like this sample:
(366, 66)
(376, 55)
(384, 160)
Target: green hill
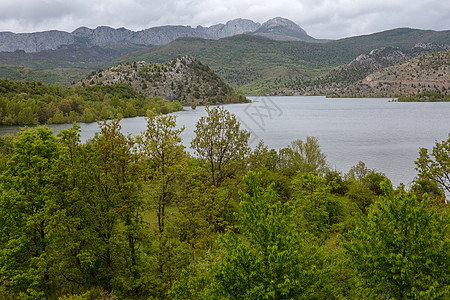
(250, 64)
(257, 65)
(184, 79)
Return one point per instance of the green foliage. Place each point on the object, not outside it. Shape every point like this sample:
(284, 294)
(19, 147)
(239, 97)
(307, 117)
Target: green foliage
(161, 144)
(139, 218)
(427, 96)
(303, 156)
(275, 262)
(363, 185)
(28, 197)
(435, 166)
(219, 140)
(319, 212)
(29, 103)
(401, 250)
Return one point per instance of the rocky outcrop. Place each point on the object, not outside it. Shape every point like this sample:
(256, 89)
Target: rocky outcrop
(103, 35)
(183, 79)
(283, 30)
(34, 42)
(233, 27)
(391, 75)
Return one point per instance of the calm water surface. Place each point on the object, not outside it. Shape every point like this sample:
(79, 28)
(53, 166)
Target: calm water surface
(385, 135)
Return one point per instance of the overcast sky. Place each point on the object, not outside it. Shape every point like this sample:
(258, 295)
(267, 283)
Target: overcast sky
(320, 18)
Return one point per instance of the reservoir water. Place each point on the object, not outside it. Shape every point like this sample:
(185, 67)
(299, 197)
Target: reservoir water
(385, 135)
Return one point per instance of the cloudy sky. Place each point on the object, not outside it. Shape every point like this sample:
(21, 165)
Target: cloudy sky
(320, 18)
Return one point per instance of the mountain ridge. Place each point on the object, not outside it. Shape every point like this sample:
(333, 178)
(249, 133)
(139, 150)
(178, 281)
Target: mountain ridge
(159, 35)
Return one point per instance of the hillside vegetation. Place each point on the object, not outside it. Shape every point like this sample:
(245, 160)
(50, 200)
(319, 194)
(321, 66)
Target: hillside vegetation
(29, 103)
(64, 65)
(184, 78)
(256, 65)
(248, 63)
(429, 72)
(139, 217)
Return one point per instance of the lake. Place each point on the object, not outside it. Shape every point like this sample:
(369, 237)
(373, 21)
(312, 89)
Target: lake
(385, 135)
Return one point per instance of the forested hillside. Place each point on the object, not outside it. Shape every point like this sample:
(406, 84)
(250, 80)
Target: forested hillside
(123, 217)
(184, 78)
(30, 103)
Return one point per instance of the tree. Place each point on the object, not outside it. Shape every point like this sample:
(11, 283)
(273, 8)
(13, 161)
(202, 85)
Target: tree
(314, 203)
(437, 166)
(114, 204)
(276, 261)
(358, 171)
(401, 250)
(219, 140)
(196, 207)
(303, 156)
(161, 143)
(26, 206)
(364, 185)
(165, 162)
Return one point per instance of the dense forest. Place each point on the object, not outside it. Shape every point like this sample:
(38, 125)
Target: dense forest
(30, 103)
(123, 217)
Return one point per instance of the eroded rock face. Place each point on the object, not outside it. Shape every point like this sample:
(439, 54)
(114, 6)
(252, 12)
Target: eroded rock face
(284, 30)
(103, 35)
(34, 42)
(233, 27)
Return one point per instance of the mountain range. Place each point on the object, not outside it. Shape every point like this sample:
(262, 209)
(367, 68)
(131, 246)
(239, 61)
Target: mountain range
(274, 58)
(276, 28)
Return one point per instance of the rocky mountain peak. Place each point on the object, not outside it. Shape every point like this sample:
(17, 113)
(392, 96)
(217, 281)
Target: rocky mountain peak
(277, 28)
(283, 30)
(281, 22)
(233, 27)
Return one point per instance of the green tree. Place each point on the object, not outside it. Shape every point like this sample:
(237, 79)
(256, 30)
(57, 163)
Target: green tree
(276, 261)
(27, 203)
(318, 210)
(161, 144)
(303, 156)
(401, 250)
(165, 162)
(436, 165)
(114, 204)
(196, 205)
(219, 140)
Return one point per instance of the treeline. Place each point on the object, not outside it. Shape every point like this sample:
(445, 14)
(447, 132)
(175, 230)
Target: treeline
(427, 96)
(30, 103)
(140, 218)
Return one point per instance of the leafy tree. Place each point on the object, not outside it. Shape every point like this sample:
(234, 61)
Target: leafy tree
(114, 203)
(26, 205)
(401, 250)
(436, 165)
(6, 150)
(276, 261)
(196, 207)
(363, 185)
(161, 143)
(303, 156)
(219, 140)
(358, 172)
(317, 208)
(421, 186)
